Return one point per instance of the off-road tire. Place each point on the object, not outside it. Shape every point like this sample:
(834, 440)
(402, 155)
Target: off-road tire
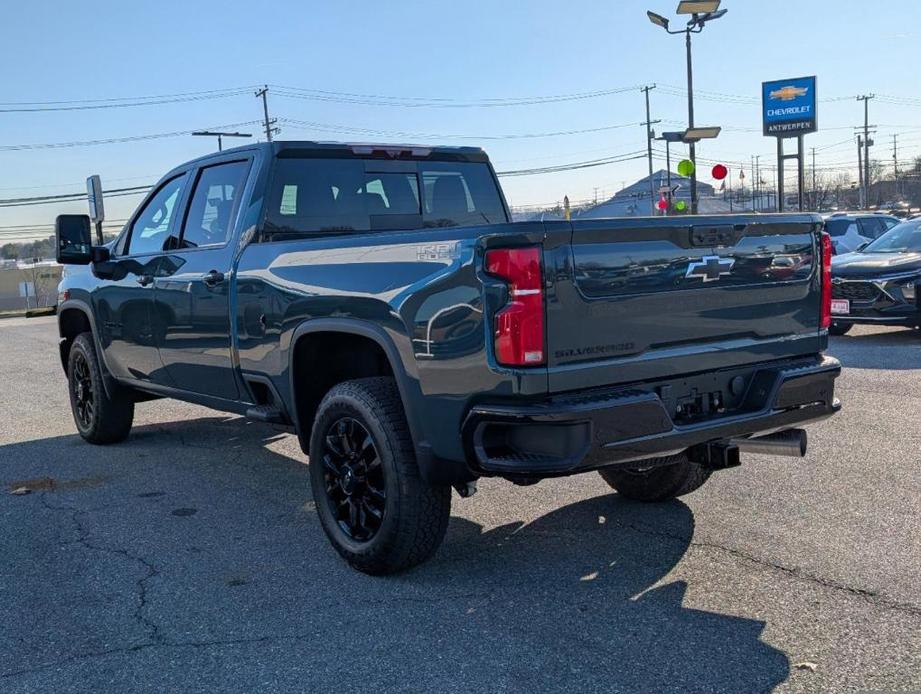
(838, 329)
(112, 414)
(657, 481)
(415, 515)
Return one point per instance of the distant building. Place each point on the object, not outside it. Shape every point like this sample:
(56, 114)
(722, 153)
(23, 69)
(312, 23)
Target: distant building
(28, 285)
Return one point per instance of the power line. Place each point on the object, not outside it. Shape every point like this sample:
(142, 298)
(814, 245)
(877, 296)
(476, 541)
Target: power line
(639, 154)
(331, 127)
(117, 102)
(436, 102)
(111, 140)
(70, 197)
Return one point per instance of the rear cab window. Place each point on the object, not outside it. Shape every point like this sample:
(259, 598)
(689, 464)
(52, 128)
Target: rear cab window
(323, 196)
(839, 227)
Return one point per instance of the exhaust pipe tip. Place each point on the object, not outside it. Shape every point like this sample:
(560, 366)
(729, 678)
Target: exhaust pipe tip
(790, 442)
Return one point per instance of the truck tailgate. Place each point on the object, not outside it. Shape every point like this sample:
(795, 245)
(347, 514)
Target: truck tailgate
(643, 299)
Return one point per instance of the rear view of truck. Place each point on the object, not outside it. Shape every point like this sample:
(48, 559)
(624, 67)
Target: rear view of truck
(670, 345)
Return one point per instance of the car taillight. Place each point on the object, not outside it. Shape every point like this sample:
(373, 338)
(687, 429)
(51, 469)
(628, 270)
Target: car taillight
(826, 280)
(519, 329)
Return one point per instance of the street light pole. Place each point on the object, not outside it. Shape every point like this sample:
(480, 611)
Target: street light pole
(701, 12)
(692, 152)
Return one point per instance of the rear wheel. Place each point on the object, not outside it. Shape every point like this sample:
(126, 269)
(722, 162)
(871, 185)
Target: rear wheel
(373, 505)
(839, 328)
(658, 481)
(100, 417)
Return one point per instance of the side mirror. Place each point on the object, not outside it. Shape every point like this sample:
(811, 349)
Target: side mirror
(74, 239)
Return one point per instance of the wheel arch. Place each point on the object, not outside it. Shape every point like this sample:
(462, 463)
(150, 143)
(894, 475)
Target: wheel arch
(76, 317)
(316, 332)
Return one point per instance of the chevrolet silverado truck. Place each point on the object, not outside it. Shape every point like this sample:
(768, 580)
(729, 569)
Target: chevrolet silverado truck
(379, 301)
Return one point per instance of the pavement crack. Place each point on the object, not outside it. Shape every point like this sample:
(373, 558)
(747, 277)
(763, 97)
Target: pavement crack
(151, 571)
(870, 596)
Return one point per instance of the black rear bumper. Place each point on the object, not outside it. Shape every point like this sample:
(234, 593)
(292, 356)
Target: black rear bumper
(574, 433)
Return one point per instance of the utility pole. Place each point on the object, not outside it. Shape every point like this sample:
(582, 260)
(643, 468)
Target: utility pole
(753, 182)
(758, 179)
(649, 136)
(865, 98)
(895, 164)
(860, 198)
(269, 123)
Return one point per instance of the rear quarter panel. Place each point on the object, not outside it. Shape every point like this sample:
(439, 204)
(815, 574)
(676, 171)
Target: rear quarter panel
(421, 291)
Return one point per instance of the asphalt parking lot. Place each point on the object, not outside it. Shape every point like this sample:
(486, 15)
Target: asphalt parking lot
(190, 558)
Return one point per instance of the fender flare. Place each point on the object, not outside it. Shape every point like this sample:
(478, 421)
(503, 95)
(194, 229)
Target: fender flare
(410, 393)
(108, 380)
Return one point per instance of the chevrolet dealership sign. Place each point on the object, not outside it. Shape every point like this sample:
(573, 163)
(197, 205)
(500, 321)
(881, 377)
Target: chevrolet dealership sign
(789, 107)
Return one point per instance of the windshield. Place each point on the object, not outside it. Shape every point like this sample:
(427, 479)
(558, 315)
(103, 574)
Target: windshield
(902, 238)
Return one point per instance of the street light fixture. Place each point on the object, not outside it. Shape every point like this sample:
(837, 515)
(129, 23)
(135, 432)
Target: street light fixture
(219, 136)
(697, 6)
(657, 19)
(698, 134)
(701, 11)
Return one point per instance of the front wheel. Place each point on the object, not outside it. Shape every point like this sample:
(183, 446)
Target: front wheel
(661, 480)
(373, 505)
(839, 328)
(100, 417)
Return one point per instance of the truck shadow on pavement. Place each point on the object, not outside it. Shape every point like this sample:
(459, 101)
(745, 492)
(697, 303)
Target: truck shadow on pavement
(190, 558)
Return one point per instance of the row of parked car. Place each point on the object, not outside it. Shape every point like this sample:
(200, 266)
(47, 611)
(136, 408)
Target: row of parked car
(875, 270)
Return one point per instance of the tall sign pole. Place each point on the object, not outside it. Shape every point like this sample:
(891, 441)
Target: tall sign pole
(788, 109)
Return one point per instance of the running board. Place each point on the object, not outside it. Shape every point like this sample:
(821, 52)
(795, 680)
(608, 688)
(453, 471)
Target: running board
(266, 413)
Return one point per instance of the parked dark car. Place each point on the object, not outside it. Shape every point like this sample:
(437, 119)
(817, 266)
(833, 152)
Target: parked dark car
(877, 284)
(850, 231)
(377, 300)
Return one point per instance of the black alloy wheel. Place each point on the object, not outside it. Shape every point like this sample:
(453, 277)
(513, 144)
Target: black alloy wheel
(82, 388)
(354, 476)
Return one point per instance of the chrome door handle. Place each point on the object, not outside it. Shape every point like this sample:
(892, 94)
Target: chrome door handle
(212, 278)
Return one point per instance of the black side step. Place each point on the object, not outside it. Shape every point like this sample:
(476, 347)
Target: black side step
(266, 413)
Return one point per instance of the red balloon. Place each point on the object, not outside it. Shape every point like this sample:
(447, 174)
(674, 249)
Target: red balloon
(720, 172)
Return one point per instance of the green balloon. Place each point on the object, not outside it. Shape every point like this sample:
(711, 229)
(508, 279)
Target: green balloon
(685, 167)
(681, 204)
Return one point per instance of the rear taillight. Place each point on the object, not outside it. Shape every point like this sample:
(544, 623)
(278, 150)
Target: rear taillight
(519, 330)
(826, 280)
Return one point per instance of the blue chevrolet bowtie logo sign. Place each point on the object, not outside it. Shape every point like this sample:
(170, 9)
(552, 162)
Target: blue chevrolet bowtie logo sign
(710, 268)
(788, 107)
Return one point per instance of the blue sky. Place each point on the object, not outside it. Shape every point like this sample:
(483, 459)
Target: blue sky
(463, 51)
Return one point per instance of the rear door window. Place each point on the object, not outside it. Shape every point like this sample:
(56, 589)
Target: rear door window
(208, 220)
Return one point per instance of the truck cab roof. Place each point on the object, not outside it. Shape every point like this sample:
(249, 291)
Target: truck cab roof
(316, 148)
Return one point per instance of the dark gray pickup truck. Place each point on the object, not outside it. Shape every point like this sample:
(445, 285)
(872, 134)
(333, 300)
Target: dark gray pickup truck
(379, 301)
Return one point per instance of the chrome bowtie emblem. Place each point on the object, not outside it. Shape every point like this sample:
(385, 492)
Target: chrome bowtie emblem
(710, 268)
